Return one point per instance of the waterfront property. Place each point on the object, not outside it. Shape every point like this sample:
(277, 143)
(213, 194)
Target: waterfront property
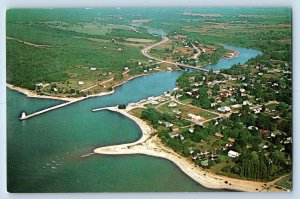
(195, 89)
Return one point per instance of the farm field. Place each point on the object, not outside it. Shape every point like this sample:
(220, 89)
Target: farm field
(208, 89)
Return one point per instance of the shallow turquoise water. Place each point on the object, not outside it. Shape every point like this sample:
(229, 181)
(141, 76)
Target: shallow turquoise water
(44, 152)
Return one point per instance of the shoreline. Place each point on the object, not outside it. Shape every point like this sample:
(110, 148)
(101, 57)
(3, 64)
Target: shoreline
(32, 94)
(144, 51)
(152, 146)
(67, 101)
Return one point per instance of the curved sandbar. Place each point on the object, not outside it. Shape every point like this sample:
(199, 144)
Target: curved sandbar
(151, 145)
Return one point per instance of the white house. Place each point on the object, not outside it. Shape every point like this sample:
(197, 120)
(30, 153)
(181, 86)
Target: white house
(172, 104)
(154, 102)
(233, 154)
(178, 96)
(174, 135)
(80, 82)
(194, 117)
(168, 124)
(213, 104)
(181, 137)
(153, 98)
(242, 90)
(39, 84)
(224, 109)
(276, 117)
(93, 68)
(246, 102)
(253, 128)
(257, 110)
(177, 112)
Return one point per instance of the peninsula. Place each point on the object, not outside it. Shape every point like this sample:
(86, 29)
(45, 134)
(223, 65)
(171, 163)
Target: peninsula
(216, 100)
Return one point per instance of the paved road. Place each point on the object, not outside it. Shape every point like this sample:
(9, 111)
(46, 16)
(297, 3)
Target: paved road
(195, 57)
(164, 40)
(30, 44)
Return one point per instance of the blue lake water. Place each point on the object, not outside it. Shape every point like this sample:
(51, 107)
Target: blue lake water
(44, 152)
(244, 55)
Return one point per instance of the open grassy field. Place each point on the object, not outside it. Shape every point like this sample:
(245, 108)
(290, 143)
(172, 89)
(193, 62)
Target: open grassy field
(49, 47)
(137, 112)
(185, 110)
(286, 182)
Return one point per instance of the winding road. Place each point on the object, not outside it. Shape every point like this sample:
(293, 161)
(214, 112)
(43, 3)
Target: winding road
(164, 40)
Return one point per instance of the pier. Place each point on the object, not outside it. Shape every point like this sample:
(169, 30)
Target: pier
(25, 117)
(100, 109)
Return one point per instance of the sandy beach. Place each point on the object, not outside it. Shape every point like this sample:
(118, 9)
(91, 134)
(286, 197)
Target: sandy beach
(150, 144)
(68, 101)
(32, 94)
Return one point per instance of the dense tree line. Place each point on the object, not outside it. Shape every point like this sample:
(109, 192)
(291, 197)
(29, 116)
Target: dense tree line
(154, 116)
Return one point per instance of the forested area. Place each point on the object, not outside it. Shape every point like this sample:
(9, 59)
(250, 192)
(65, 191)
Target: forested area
(65, 49)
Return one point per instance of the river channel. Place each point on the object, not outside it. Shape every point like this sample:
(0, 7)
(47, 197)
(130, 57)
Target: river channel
(44, 152)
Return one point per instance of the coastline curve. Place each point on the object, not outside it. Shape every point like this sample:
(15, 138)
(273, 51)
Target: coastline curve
(150, 144)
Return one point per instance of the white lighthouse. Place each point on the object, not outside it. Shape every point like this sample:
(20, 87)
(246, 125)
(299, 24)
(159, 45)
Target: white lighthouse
(23, 116)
